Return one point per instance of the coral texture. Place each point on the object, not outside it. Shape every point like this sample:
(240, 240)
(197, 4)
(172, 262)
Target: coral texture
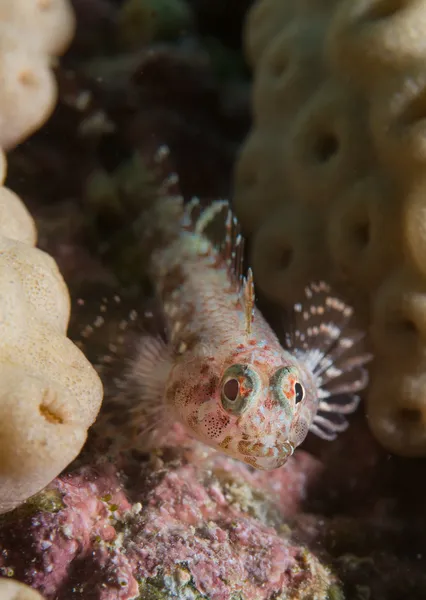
(49, 392)
(31, 33)
(187, 523)
(330, 182)
(46, 24)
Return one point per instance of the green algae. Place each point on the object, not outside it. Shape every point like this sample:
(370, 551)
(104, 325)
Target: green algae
(149, 591)
(334, 592)
(168, 587)
(246, 498)
(46, 501)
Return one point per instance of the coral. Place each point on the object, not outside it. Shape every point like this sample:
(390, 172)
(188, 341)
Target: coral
(14, 590)
(31, 33)
(47, 24)
(183, 523)
(49, 393)
(15, 220)
(330, 181)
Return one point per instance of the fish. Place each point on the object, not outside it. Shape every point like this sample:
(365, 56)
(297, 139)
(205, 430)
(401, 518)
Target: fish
(222, 372)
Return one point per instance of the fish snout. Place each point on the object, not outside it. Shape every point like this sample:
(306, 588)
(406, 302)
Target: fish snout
(264, 456)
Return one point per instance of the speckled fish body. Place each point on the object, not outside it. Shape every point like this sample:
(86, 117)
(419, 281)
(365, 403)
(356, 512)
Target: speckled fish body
(223, 373)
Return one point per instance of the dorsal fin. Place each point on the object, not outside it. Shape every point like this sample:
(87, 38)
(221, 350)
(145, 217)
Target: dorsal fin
(225, 239)
(219, 226)
(248, 295)
(199, 219)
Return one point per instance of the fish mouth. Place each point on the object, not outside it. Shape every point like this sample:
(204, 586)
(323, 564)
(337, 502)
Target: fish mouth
(266, 457)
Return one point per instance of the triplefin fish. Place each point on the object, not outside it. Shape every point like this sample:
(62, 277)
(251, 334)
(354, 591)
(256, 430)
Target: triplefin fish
(222, 372)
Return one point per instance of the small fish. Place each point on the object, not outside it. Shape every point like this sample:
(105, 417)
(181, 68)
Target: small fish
(222, 373)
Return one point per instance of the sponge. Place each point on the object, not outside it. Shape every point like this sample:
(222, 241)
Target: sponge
(32, 33)
(15, 218)
(49, 393)
(48, 25)
(10, 589)
(330, 182)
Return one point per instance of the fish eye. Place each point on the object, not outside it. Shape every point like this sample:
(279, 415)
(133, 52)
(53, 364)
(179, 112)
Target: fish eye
(239, 385)
(286, 386)
(299, 392)
(231, 390)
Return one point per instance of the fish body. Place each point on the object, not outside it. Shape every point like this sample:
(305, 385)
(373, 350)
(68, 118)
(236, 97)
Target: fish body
(223, 374)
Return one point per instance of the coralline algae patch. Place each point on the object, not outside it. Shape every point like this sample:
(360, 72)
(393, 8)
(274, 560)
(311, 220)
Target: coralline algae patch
(330, 182)
(157, 530)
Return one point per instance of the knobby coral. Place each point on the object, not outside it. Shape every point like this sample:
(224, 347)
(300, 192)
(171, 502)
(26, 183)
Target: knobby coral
(330, 182)
(49, 393)
(32, 33)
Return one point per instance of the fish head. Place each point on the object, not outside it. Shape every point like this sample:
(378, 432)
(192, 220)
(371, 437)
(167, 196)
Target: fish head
(272, 401)
(258, 407)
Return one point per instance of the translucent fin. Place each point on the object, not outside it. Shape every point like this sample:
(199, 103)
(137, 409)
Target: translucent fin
(99, 327)
(145, 386)
(214, 222)
(324, 340)
(248, 297)
(107, 330)
(219, 226)
(160, 221)
(122, 344)
(330, 426)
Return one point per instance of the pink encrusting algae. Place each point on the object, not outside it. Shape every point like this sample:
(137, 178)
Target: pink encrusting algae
(222, 372)
(166, 529)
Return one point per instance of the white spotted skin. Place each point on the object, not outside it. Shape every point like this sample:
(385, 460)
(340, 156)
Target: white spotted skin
(266, 434)
(205, 316)
(217, 341)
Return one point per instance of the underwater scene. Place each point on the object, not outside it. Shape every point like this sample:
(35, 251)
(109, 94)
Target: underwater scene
(213, 300)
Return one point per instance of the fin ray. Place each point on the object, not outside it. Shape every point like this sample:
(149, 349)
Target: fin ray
(326, 341)
(229, 246)
(146, 386)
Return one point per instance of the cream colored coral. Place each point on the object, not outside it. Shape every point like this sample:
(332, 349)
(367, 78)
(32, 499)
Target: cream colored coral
(28, 89)
(10, 589)
(330, 182)
(31, 33)
(47, 24)
(15, 219)
(49, 393)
